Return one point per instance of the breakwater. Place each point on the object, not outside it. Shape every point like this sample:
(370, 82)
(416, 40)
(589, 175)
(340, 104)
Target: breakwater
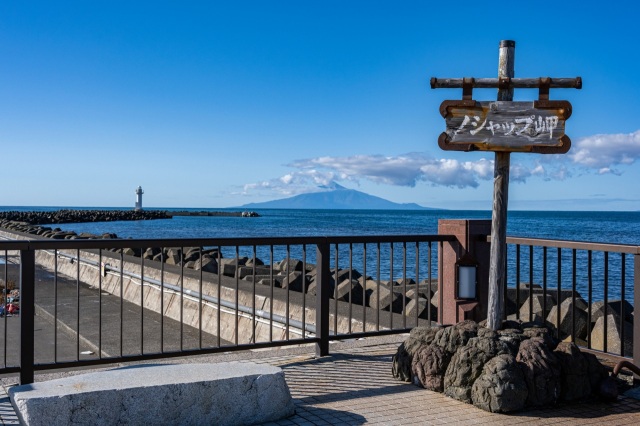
(78, 216)
(214, 213)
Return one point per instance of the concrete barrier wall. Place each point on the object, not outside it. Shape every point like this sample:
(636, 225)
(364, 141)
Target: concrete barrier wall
(113, 283)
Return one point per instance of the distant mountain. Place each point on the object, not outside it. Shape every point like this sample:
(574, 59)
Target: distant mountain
(335, 196)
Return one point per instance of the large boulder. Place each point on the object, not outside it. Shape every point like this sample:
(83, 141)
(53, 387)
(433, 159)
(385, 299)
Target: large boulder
(618, 336)
(402, 360)
(467, 363)
(532, 308)
(617, 306)
(541, 371)
(451, 338)
(419, 308)
(384, 298)
(207, 264)
(429, 367)
(542, 332)
(513, 337)
(597, 372)
(501, 387)
(349, 291)
(574, 372)
(571, 314)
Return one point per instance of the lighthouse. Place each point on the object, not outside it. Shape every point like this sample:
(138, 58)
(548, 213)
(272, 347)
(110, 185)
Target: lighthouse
(139, 193)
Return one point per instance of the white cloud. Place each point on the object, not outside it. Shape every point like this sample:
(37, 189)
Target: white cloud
(403, 170)
(600, 153)
(604, 152)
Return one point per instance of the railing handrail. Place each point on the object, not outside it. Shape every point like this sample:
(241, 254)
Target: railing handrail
(62, 244)
(577, 245)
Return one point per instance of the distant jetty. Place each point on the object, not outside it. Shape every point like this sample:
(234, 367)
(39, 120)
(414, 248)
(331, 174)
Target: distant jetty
(208, 213)
(83, 216)
(80, 216)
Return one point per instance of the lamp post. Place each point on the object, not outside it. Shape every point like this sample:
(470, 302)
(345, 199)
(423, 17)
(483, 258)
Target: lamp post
(466, 283)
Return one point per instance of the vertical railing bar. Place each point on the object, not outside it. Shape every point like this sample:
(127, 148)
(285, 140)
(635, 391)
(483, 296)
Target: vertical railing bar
(55, 308)
(544, 284)
(162, 260)
(417, 273)
(27, 314)
(517, 281)
(559, 293)
(288, 292)
(606, 298)
(322, 298)
(254, 323)
(219, 294)
(335, 293)
(623, 267)
(589, 293)
(99, 303)
(304, 291)
(636, 302)
(573, 294)
(121, 301)
(200, 306)
(181, 298)
(391, 285)
(505, 289)
(78, 304)
(142, 301)
(237, 297)
(4, 309)
(404, 290)
(531, 283)
(271, 293)
(440, 292)
(364, 288)
(429, 286)
(378, 287)
(351, 287)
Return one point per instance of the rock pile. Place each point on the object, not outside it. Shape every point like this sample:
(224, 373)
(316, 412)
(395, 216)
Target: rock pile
(345, 285)
(504, 371)
(77, 216)
(570, 316)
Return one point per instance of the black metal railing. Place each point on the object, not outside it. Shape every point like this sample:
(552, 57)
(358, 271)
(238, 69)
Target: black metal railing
(586, 290)
(91, 302)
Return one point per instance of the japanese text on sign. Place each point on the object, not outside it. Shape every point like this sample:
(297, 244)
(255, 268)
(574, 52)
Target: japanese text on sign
(505, 126)
(531, 126)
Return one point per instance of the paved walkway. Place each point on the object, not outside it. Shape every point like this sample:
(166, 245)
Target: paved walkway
(354, 386)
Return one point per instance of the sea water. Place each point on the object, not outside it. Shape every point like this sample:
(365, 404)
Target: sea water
(602, 227)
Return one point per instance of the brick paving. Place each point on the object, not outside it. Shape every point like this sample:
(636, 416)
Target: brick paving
(354, 386)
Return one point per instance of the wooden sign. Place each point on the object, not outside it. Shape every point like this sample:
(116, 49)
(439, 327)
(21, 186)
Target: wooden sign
(535, 126)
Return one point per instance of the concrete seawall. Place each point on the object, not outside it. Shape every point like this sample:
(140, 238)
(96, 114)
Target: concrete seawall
(103, 273)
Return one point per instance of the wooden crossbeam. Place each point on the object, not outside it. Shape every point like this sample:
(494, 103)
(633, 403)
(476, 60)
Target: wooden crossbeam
(506, 82)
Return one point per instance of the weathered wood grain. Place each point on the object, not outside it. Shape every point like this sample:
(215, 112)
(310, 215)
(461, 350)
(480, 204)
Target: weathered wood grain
(499, 126)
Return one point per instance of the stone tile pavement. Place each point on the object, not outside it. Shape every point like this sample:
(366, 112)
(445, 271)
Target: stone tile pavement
(354, 386)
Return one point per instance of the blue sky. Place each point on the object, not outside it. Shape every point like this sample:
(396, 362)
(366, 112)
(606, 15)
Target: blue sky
(209, 104)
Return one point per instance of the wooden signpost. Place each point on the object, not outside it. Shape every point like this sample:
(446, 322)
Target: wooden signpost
(504, 126)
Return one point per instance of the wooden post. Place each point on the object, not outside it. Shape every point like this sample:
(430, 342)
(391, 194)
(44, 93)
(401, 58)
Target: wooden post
(497, 278)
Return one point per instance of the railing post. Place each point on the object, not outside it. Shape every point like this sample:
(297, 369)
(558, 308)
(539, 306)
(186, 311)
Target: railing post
(467, 232)
(636, 303)
(27, 310)
(322, 298)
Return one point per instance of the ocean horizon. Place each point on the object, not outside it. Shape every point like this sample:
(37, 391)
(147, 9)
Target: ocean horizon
(593, 226)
